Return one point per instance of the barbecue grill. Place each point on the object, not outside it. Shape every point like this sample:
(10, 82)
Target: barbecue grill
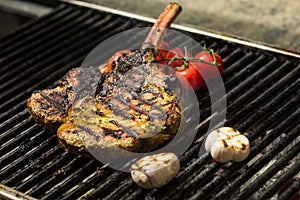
(262, 90)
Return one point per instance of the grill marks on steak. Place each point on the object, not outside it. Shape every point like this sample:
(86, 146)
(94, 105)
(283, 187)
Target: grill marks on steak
(127, 103)
(49, 107)
(138, 112)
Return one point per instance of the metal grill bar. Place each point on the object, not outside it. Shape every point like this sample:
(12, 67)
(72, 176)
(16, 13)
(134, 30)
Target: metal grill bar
(23, 156)
(291, 191)
(15, 40)
(237, 77)
(8, 134)
(33, 165)
(197, 180)
(55, 171)
(246, 175)
(188, 168)
(251, 188)
(91, 181)
(262, 94)
(57, 58)
(267, 107)
(57, 61)
(271, 191)
(18, 139)
(252, 92)
(107, 186)
(48, 40)
(74, 177)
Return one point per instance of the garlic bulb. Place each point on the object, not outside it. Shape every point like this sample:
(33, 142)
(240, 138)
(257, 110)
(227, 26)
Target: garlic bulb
(227, 144)
(155, 171)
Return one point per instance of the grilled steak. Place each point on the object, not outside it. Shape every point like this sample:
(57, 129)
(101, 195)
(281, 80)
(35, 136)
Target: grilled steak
(49, 107)
(132, 104)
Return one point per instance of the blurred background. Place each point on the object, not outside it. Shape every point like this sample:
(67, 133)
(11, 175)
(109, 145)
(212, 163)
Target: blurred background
(273, 22)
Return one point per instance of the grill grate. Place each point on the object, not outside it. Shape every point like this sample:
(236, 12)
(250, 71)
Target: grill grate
(263, 96)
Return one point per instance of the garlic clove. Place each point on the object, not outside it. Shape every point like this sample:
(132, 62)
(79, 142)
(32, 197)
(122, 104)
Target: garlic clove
(222, 151)
(155, 171)
(229, 132)
(141, 179)
(223, 133)
(210, 140)
(241, 147)
(227, 144)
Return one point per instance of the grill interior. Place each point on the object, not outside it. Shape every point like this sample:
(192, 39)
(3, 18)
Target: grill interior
(263, 94)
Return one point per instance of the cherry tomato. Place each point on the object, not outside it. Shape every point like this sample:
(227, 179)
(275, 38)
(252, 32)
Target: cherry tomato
(177, 53)
(163, 49)
(209, 71)
(186, 71)
(191, 76)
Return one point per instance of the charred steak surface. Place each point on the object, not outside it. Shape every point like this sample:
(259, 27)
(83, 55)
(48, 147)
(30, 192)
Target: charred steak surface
(49, 107)
(128, 103)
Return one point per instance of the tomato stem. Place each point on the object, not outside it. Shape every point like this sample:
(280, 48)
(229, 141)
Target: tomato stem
(214, 56)
(186, 59)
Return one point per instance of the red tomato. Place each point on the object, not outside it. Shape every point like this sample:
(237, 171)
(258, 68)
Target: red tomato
(164, 48)
(188, 75)
(208, 71)
(162, 52)
(177, 53)
(191, 76)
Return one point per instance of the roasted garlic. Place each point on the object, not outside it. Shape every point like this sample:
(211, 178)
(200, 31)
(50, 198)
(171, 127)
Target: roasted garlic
(155, 171)
(227, 144)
